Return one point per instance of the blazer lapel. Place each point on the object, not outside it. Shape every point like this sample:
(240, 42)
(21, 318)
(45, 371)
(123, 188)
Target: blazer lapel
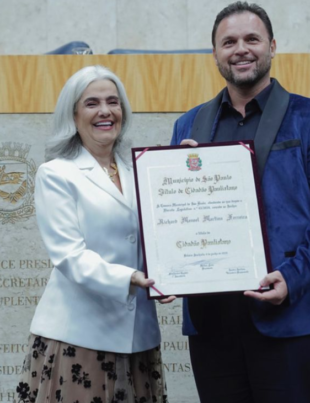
(93, 171)
(270, 123)
(206, 121)
(203, 126)
(127, 181)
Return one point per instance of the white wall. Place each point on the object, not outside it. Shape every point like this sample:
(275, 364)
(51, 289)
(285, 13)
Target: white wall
(39, 26)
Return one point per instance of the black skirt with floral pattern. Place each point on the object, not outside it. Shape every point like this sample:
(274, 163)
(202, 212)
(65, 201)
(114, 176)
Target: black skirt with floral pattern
(54, 371)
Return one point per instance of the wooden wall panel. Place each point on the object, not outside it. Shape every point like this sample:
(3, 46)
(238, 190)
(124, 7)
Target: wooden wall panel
(154, 83)
(293, 72)
(22, 84)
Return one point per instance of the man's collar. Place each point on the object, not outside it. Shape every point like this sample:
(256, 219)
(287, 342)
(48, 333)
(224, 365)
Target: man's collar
(263, 96)
(260, 98)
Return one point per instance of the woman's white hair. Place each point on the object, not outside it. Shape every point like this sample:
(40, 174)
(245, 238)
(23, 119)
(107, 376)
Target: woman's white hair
(66, 142)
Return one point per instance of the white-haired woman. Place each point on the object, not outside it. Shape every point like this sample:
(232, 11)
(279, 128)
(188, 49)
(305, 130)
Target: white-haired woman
(94, 336)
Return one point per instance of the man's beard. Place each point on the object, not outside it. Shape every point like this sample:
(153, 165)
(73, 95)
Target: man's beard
(249, 80)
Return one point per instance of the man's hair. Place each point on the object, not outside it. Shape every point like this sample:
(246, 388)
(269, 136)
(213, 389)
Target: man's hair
(238, 8)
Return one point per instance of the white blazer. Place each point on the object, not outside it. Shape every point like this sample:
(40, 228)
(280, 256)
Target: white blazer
(91, 233)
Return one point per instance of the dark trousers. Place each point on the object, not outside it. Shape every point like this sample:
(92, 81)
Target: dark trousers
(243, 366)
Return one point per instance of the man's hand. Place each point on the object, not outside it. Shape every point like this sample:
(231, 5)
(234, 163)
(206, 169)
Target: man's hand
(167, 300)
(275, 296)
(189, 142)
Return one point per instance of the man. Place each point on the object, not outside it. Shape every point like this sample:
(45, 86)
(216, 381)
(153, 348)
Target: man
(255, 347)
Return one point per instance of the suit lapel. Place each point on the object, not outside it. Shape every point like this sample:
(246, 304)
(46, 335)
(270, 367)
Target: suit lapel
(126, 178)
(93, 171)
(206, 121)
(203, 126)
(270, 123)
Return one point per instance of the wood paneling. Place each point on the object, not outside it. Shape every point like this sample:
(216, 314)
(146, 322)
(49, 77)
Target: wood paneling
(22, 84)
(154, 83)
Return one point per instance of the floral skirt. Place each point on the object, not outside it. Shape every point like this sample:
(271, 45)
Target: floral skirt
(54, 371)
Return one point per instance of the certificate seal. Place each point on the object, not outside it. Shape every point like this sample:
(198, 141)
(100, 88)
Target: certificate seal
(193, 162)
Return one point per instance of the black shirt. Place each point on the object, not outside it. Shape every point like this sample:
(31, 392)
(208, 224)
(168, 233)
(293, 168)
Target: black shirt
(233, 126)
(233, 312)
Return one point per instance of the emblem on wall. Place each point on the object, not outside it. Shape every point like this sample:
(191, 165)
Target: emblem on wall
(193, 162)
(17, 175)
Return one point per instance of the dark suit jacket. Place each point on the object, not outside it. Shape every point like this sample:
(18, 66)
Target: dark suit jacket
(282, 144)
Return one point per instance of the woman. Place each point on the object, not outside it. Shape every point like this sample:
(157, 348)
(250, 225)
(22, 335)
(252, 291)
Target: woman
(95, 336)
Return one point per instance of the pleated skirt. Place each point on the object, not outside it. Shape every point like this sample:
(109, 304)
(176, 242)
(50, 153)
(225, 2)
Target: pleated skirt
(54, 371)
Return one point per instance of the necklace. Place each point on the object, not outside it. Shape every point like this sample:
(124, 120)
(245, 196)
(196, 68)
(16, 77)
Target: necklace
(113, 173)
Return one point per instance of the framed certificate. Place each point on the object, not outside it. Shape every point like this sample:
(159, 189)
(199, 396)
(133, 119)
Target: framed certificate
(201, 219)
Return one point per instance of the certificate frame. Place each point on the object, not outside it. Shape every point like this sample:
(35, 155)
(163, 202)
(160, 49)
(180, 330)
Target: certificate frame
(214, 260)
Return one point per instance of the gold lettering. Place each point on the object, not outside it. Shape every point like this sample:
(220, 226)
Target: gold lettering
(17, 282)
(175, 346)
(9, 396)
(19, 301)
(7, 264)
(13, 348)
(14, 282)
(177, 367)
(35, 264)
(26, 264)
(162, 320)
(170, 320)
(11, 369)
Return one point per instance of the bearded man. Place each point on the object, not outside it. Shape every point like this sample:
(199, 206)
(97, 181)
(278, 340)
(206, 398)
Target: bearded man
(254, 347)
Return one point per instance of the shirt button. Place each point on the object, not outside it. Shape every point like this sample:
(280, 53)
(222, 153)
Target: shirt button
(240, 123)
(132, 238)
(131, 306)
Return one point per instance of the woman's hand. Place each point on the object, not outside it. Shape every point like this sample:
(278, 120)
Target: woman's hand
(138, 278)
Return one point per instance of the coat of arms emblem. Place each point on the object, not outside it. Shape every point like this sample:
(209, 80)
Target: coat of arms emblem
(17, 175)
(193, 162)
